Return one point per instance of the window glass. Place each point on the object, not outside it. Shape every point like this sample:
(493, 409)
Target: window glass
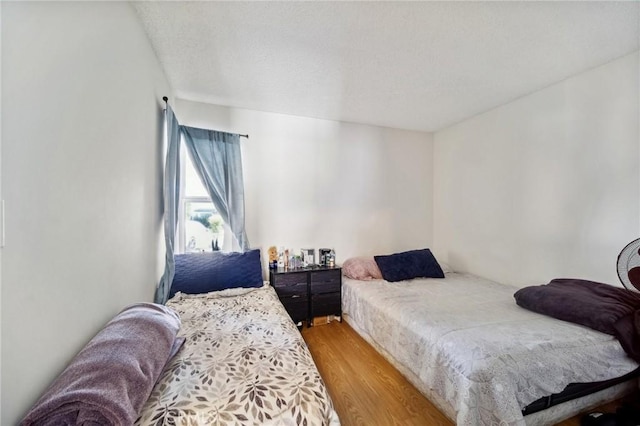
(203, 226)
(193, 186)
(200, 226)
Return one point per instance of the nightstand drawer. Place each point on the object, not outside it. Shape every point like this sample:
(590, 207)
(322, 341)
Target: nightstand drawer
(291, 284)
(326, 281)
(299, 289)
(325, 304)
(290, 279)
(297, 307)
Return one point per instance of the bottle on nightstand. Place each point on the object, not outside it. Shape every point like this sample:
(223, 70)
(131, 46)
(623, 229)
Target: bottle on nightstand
(281, 257)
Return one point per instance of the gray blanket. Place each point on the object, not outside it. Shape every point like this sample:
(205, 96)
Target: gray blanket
(602, 307)
(110, 379)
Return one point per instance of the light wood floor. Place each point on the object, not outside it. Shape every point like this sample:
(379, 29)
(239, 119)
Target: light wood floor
(367, 390)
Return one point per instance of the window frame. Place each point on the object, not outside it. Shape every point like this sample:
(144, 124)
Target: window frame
(181, 237)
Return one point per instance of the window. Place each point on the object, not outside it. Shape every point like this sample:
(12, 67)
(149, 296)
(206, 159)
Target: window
(200, 227)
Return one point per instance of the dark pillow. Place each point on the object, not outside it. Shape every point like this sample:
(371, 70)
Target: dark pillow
(408, 265)
(204, 272)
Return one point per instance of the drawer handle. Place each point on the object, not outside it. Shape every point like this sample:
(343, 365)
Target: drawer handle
(295, 296)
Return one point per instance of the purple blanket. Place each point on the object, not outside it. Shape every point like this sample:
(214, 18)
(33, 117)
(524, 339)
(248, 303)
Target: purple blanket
(603, 307)
(110, 379)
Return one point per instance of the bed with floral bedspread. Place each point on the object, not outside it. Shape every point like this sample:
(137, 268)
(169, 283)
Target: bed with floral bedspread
(243, 362)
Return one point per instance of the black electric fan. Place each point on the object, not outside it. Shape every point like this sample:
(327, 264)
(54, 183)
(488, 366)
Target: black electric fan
(629, 265)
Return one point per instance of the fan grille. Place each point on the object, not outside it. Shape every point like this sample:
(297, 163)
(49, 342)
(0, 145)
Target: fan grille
(629, 266)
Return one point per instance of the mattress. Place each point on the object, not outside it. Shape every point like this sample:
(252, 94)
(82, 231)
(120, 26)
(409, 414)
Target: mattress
(243, 363)
(476, 354)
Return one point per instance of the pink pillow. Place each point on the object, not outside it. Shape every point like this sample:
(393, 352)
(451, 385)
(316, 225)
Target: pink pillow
(361, 268)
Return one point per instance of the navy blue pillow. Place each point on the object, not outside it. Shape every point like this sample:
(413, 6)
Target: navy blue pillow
(408, 265)
(204, 272)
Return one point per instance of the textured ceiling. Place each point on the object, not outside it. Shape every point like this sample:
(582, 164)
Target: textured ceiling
(418, 65)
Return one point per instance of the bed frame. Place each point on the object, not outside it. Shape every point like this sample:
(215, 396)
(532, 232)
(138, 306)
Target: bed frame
(575, 391)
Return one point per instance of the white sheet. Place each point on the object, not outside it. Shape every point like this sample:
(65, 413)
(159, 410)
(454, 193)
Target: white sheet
(481, 357)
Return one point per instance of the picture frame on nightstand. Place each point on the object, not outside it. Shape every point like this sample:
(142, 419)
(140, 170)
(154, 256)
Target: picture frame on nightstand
(308, 257)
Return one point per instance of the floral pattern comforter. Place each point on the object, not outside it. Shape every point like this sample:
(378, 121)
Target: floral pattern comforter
(243, 363)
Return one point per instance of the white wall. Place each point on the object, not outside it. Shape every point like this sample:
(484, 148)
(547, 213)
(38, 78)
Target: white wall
(81, 176)
(546, 186)
(1, 213)
(317, 183)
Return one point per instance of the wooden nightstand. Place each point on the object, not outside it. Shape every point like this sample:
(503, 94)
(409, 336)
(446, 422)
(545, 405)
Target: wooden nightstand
(309, 292)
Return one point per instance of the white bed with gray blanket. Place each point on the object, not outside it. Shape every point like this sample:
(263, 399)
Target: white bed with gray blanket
(479, 357)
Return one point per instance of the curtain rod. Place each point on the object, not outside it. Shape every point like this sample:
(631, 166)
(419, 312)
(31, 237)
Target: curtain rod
(166, 100)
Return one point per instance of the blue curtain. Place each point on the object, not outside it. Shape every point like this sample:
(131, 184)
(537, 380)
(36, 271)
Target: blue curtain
(171, 203)
(217, 159)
